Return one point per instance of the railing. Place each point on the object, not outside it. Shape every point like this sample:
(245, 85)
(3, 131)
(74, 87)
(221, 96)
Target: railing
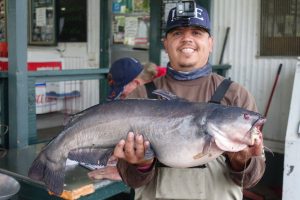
(44, 76)
(3, 108)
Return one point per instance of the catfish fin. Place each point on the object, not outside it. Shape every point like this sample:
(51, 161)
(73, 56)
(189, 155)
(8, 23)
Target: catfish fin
(166, 95)
(198, 156)
(206, 149)
(42, 170)
(94, 156)
(71, 119)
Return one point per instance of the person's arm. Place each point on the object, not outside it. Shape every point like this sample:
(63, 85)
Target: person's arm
(108, 172)
(251, 175)
(248, 166)
(134, 170)
(133, 176)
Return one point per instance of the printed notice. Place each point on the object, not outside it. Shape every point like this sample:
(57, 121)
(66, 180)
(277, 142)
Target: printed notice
(41, 16)
(131, 25)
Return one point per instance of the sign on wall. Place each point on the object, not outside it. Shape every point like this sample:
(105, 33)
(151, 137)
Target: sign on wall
(42, 29)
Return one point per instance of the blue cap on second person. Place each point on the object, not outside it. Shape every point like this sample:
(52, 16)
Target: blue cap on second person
(201, 19)
(122, 72)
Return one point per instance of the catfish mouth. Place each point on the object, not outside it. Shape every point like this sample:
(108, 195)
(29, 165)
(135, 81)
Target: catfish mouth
(258, 123)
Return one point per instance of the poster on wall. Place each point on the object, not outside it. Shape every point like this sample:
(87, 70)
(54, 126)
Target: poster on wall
(142, 34)
(118, 29)
(2, 21)
(42, 29)
(131, 26)
(140, 5)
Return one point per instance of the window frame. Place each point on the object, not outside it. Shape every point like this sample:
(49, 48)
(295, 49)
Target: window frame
(276, 37)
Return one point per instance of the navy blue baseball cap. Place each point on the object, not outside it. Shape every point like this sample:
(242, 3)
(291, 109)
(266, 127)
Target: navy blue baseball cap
(122, 72)
(199, 19)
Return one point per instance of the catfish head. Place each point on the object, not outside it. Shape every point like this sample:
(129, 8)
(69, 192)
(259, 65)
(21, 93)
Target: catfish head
(233, 128)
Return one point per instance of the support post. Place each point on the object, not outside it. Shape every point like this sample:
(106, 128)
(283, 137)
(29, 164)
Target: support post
(17, 73)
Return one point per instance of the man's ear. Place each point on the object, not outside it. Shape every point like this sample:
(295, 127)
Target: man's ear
(211, 44)
(137, 82)
(165, 42)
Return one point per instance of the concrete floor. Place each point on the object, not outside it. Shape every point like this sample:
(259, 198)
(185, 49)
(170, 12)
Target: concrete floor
(264, 192)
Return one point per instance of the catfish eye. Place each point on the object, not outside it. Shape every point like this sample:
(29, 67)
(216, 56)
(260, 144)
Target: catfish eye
(246, 116)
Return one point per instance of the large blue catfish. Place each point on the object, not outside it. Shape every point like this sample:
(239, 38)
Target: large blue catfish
(181, 134)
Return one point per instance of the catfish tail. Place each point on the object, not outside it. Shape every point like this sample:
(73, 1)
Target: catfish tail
(43, 170)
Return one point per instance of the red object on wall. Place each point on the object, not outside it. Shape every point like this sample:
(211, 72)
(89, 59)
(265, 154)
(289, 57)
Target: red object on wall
(35, 66)
(3, 49)
(3, 65)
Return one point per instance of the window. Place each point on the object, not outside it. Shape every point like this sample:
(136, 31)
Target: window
(72, 21)
(280, 28)
(54, 21)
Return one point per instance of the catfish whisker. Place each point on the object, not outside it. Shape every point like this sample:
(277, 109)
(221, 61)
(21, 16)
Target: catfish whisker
(268, 150)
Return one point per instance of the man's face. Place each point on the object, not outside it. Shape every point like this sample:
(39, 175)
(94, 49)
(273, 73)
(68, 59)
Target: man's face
(188, 48)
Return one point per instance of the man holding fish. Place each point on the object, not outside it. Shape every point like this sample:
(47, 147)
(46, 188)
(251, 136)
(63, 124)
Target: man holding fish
(188, 43)
(214, 150)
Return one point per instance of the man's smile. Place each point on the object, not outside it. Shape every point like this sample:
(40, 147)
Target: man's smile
(187, 50)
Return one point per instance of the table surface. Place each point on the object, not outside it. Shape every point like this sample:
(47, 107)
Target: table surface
(17, 162)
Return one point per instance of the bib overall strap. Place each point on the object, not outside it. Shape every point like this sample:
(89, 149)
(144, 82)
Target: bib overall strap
(220, 91)
(150, 87)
